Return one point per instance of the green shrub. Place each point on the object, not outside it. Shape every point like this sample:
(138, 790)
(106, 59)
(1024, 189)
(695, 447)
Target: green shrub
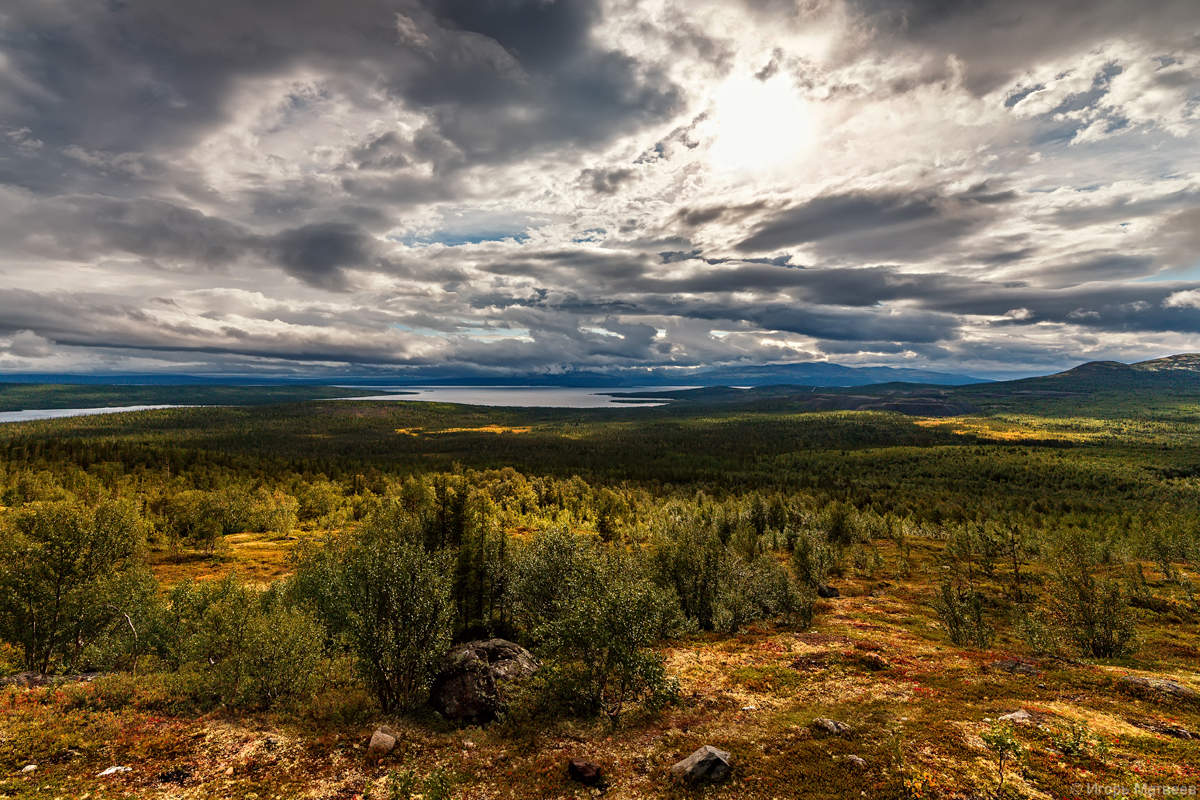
(961, 610)
(760, 589)
(389, 600)
(1001, 741)
(1091, 605)
(60, 577)
(593, 613)
(812, 559)
(235, 644)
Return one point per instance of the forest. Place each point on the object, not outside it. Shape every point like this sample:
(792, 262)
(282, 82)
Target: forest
(234, 600)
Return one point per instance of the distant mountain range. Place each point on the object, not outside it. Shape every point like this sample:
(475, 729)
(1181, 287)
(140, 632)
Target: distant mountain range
(811, 385)
(812, 373)
(1168, 377)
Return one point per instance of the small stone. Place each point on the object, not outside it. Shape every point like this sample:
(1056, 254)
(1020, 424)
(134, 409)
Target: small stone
(28, 768)
(823, 726)
(749, 708)
(857, 762)
(382, 742)
(104, 773)
(584, 772)
(706, 765)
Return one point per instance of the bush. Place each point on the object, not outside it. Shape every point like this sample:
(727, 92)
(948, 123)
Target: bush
(238, 645)
(812, 559)
(1090, 605)
(59, 577)
(593, 612)
(760, 589)
(388, 600)
(961, 610)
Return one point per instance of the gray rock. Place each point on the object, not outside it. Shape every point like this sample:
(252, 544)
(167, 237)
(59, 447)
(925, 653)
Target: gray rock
(28, 768)
(584, 772)
(824, 726)
(706, 765)
(1165, 728)
(469, 688)
(104, 773)
(857, 762)
(1159, 689)
(874, 662)
(1013, 667)
(383, 741)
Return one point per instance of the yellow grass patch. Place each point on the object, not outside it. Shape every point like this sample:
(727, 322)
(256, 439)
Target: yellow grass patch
(497, 429)
(999, 429)
(258, 557)
(488, 429)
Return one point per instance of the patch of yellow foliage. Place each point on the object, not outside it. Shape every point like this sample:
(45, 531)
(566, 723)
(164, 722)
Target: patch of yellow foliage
(1006, 430)
(481, 429)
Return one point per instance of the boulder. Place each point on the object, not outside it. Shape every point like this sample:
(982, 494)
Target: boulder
(383, 741)
(1023, 716)
(28, 768)
(706, 765)
(823, 726)
(1165, 728)
(858, 762)
(1159, 689)
(1012, 666)
(873, 662)
(584, 772)
(469, 688)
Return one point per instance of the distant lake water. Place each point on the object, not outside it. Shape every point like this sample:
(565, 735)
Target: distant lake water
(524, 396)
(30, 414)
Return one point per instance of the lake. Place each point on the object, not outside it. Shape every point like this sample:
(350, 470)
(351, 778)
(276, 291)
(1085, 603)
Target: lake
(30, 414)
(524, 396)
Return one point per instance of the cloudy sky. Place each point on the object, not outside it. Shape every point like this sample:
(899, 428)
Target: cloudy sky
(319, 186)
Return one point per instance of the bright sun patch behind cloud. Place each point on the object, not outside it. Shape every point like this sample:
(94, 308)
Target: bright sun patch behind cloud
(759, 125)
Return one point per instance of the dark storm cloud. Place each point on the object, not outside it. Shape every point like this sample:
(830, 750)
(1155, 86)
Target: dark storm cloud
(174, 237)
(866, 224)
(148, 74)
(318, 254)
(998, 40)
(606, 181)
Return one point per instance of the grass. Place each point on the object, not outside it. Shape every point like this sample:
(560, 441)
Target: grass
(916, 722)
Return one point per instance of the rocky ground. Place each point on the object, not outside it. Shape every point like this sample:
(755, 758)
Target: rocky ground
(871, 701)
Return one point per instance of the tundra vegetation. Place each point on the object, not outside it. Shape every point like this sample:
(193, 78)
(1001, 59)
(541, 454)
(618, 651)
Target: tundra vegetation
(229, 600)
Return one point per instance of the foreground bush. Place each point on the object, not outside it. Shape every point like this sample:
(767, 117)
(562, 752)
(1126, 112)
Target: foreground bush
(388, 600)
(235, 644)
(960, 607)
(61, 578)
(1090, 605)
(593, 613)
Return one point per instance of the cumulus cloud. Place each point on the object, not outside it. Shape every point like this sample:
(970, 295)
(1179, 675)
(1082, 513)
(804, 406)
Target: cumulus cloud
(605, 184)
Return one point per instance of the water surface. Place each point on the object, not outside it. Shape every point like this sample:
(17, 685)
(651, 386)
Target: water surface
(524, 396)
(30, 414)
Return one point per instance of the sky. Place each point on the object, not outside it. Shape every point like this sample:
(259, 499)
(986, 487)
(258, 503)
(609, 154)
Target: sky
(494, 187)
